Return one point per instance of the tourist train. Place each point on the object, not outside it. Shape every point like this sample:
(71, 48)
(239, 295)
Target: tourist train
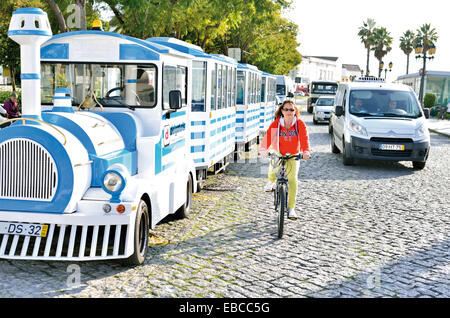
(116, 133)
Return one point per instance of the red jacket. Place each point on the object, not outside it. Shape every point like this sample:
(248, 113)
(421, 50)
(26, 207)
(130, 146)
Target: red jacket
(292, 140)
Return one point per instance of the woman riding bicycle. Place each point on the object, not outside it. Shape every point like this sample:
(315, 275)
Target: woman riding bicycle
(286, 135)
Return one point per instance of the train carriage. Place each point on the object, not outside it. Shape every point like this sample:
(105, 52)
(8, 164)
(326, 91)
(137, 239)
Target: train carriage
(212, 119)
(268, 101)
(248, 105)
(106, 158)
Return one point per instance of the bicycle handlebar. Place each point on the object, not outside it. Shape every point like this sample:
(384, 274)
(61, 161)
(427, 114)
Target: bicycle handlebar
(296, 157)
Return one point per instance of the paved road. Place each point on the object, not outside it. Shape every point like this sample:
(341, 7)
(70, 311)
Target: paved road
(377, 229)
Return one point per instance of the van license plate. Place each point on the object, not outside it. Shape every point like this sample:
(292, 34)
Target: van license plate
(26, 229)
(392, 147)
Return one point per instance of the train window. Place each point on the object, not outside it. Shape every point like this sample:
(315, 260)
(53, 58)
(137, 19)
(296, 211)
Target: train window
(230, 87)
(240, 88)
(233, 92)
(174, 78)
(259, 89)
(214, 88)
(198, 86)
(219, 87)
(263, 89)
(249, 89)
(113, 85)
(225, 86)
(253, 90)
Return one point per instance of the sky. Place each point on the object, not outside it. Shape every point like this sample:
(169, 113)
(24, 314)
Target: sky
(330, 28)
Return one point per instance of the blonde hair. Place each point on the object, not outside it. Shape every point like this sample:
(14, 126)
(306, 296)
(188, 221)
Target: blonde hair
(278, 112)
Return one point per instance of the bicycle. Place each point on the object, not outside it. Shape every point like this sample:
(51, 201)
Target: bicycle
(282, 189)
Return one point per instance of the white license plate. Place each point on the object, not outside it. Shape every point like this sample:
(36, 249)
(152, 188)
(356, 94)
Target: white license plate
(392, 147)
(27, 229)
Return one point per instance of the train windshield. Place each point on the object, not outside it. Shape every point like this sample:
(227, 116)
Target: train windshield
(110, 85)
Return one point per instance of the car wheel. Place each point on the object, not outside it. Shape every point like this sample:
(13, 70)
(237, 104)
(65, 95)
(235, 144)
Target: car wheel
(330, 128)
(346, 157)
(419, 165)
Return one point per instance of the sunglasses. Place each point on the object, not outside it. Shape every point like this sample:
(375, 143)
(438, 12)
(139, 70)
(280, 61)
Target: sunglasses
(288, 109)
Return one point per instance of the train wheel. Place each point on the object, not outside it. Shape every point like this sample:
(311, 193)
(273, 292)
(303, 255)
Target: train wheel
(141, 229)
(183, 212)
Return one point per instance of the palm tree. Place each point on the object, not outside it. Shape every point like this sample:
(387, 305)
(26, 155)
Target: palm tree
(407, 45)
(365, 34)
(382, 42)
(426, 36)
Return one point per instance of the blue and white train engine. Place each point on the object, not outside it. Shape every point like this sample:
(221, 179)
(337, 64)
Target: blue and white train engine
(101, 153)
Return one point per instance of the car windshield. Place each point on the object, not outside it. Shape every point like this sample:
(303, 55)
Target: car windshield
(384, 103)
(325, 102)
(111, 85)
(281, 89)
(322, 88)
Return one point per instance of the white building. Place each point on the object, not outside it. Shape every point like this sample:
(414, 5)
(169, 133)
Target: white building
(316, 68)
(350, 71)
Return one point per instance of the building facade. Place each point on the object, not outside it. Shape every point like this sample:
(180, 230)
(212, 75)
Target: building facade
(350, 72)
(316, 68)
(436, 82)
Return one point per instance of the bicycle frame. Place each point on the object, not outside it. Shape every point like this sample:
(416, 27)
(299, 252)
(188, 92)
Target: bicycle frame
(282, 178)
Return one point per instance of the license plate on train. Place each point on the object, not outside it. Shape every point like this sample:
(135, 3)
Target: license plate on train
(26, 229)
(392, 147)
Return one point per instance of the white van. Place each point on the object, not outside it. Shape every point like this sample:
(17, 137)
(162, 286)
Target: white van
(285, 87)
(375, 120)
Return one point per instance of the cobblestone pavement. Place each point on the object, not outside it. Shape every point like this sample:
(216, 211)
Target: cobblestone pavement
(377, 229)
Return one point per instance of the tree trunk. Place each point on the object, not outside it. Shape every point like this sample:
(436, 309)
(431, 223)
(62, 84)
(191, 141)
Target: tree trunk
(59, 16)
(379, 69)
(407, 64)
(13, 80)
(82, 5)
(367, 65)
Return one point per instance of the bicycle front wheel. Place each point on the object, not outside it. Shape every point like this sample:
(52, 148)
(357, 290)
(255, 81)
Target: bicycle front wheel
(282, 195)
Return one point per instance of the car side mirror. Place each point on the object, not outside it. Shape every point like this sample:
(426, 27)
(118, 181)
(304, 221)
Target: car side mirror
(290, 95)
(339, 111)
(175, 99)
(426, 112)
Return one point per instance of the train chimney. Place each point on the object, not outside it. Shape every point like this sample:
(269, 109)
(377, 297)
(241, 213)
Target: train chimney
(29, 27)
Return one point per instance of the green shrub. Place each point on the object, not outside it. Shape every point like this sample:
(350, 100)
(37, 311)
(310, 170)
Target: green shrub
(429, 100)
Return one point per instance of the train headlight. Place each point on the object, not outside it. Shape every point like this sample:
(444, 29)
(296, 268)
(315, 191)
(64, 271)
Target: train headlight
(113, 181)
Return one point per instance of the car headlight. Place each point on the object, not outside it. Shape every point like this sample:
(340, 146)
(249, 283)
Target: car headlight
(357, 128)
(421, 131)
(113, 181)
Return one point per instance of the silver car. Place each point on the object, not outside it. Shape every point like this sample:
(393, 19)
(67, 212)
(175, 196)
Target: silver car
(322, 109)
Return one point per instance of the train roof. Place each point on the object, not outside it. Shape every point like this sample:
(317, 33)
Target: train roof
(102, 46)
(179, 45)
(248, 67)
(268, 74)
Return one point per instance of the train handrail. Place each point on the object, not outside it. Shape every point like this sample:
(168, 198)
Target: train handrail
(38, 121)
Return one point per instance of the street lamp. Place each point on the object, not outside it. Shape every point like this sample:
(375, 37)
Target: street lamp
(390, 69)
(380, 68)
(421, 50)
